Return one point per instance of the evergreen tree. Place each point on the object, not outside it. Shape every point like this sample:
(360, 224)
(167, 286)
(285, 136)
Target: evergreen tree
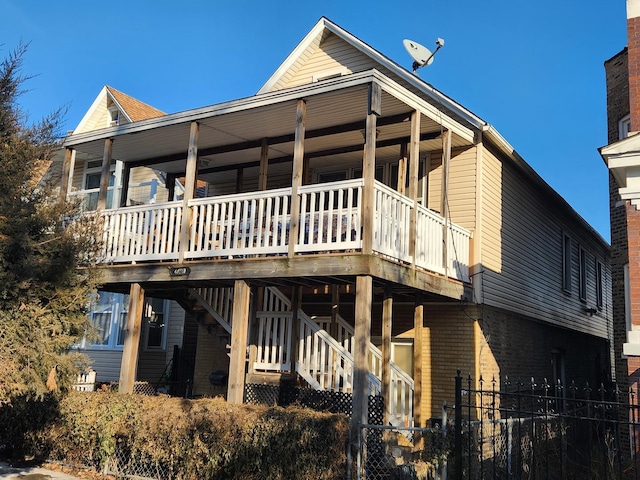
(46, 267)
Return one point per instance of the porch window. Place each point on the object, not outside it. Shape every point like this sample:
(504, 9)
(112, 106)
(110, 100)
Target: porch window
(566, 263)
(91, 184)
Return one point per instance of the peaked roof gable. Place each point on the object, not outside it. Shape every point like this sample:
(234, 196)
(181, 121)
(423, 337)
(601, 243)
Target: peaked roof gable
(322, 30)
(131, 108)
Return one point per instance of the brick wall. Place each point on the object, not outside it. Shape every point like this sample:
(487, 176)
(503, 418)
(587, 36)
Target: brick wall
(617, 81)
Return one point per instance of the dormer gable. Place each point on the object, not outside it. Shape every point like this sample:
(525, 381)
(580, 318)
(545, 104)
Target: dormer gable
(112, 108)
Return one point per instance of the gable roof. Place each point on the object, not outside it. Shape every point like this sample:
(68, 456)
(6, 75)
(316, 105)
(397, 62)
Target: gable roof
(324, 27)
(132, 109)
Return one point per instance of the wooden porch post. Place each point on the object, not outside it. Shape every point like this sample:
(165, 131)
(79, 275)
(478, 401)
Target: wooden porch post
(362, 338)
(133, 328)
(241, 300)
(402, 168)
(418, 331)
(374, 109)
(189, 187)
(444, 203)
(414, 168)
(264, 165)
(105, 174)
(387, 315)
(67, 172)
(126, 177)
(296, 180)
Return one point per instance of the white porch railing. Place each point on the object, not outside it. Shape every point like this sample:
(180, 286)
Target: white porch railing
(402, 384)
(258, 223)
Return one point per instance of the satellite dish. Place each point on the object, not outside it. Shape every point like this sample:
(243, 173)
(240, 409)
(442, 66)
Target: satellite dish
(421, 55)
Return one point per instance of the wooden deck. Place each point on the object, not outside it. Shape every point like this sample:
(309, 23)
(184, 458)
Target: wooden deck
(250, 234)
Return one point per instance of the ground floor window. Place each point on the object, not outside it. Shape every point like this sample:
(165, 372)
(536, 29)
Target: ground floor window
(108, 317)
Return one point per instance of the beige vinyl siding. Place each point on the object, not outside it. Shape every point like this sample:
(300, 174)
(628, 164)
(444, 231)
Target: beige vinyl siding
(462, 186)
(175, 327)
(522, 252)
(333, 53)
(98, 119)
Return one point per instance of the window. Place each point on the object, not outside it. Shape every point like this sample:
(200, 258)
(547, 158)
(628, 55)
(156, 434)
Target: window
(91, 183)
(154, 319)
(599, 291)
(108, 316)
(624, 127)
(114, 116)
(583, 275)
(566, 263)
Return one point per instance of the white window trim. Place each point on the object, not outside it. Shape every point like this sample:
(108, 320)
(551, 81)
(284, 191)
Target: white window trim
(624, 127)
(166, 309)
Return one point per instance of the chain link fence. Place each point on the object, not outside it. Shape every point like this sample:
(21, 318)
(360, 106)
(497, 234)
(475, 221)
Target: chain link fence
(402, 453)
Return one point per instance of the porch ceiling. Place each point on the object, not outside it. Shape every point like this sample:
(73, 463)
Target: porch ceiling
(230, 134)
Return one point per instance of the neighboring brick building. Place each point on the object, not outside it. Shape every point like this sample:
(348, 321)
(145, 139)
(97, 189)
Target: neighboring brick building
(622, 156)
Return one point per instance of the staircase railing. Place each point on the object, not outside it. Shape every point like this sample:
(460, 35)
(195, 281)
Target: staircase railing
(323, 362)
(218, 302)
(402, 384)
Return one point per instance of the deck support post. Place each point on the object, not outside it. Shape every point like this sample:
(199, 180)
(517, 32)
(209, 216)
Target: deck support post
(414, 168)
(67, 172)
(133, 328)
(402, 169)
(105, 173)
(296, 180)
(387, 315)
(444, 207)
(374, 109)
(240, 322)
(189, 188)
(418, 331)
(362, 338)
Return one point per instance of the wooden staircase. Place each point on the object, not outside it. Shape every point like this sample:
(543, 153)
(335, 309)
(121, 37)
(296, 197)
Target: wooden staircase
(323, 362)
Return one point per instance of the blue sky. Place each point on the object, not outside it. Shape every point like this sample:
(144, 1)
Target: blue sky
(534, 70)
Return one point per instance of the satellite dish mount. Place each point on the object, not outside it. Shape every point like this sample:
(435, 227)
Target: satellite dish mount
(421, 55)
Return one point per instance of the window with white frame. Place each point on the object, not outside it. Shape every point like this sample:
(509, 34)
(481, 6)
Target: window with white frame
(91, 184)
(624, 127)
(582, 284)
(108, 317)
(155, 325)
(566, 263)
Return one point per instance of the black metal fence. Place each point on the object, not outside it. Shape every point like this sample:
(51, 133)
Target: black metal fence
(530, 430)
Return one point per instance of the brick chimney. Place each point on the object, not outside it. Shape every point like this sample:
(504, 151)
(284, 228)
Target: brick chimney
(633, 42)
